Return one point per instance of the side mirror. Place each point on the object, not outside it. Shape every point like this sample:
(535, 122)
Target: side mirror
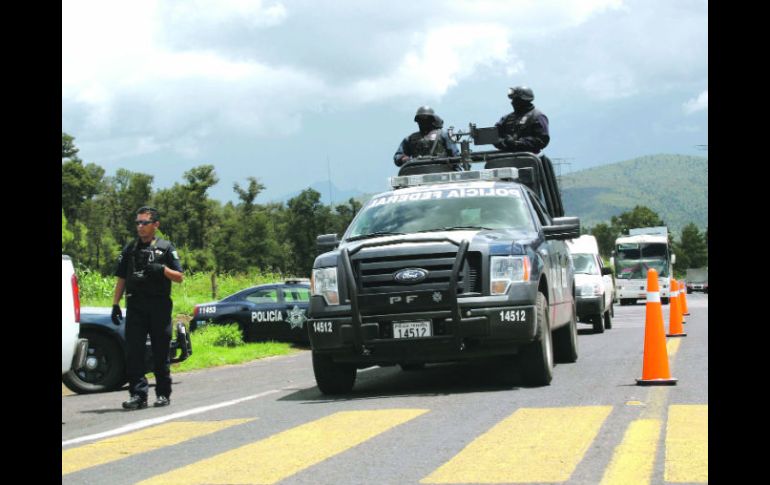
(606, 271)
(326, 242)
(563, 228)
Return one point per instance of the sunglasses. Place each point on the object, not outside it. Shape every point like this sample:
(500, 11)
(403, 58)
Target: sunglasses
(143, 223)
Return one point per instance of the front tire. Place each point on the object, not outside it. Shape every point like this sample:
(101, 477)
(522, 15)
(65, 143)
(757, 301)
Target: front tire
(105, 368)
(537, 357)
(331, 377)
(608, 319)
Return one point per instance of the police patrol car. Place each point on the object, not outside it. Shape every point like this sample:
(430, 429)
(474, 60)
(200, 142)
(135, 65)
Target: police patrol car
(448, 266)
(104, 367)
(275, 311)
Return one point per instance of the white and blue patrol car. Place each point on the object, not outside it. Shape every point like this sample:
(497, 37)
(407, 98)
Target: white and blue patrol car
(275, 311)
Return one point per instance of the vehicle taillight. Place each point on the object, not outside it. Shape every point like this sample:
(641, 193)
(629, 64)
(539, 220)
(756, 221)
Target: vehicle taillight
(76, 297)
(195, 311)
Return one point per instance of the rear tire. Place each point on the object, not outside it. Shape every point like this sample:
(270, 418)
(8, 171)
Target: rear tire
(331, 377)
(608, 319)
(598, 323)
(537, 357)
(105, 367)
(565, 341)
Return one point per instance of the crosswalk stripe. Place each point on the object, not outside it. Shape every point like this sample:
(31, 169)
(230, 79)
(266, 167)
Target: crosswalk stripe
(112, 449)
(286, 453)
(531, 445)
(634, 458)
(687, 444)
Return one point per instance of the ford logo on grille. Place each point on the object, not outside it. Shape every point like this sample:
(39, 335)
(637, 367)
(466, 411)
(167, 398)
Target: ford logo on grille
(410, 275)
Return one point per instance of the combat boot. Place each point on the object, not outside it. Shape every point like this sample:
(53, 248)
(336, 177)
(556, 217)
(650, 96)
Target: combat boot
(135, 402)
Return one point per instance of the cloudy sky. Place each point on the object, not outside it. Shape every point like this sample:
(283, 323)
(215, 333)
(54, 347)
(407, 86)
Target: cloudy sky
(289, 91)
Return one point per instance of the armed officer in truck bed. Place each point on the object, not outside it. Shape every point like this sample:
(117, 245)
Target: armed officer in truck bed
(146, 268)
(526, 128)
(430, 140)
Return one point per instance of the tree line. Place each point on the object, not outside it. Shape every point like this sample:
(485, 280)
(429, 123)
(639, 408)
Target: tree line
(98, 214)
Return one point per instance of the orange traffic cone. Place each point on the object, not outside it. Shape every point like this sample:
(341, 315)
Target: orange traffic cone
(655, 366)
(675, 328)
(683, 302)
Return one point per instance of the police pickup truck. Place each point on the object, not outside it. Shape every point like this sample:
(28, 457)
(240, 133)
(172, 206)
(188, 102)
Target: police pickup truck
(448, 266)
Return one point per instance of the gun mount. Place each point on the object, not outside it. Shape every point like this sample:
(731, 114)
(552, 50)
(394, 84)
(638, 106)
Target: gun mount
(536, 172)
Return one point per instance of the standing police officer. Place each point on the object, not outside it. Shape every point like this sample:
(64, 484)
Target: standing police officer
(430, 140)
(526, 129)
(146, 268)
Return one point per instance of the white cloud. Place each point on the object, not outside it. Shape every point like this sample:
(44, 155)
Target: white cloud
(163, 75)
(438, 60)
(252, 12)
(697, 104)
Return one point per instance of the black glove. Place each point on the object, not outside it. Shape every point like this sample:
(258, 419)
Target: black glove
(155, 268)
(117, 314)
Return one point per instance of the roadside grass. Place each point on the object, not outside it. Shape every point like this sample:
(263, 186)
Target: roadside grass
(214, 346)
(97, 290)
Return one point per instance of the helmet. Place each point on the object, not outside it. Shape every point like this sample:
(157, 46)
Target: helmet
(425, 111)
(521, 92)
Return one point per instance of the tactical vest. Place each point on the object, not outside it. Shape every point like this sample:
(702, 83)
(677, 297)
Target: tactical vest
(520, 125)
(138, 281)
(421, 145)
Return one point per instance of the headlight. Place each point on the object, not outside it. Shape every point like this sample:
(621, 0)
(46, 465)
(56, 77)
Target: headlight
(589, 290)
(505, 270)
(324, 283)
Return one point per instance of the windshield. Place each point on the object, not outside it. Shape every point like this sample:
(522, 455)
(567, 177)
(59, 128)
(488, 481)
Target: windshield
(634, 259)
(585, 264)
(472, 208)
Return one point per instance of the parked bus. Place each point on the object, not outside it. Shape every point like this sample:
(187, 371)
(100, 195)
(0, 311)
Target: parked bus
(633, 255)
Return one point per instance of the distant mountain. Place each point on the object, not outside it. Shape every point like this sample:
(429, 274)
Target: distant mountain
(338, 196)
(674, 186)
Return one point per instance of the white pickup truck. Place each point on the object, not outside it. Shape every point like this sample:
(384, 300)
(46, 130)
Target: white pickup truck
(73, 349)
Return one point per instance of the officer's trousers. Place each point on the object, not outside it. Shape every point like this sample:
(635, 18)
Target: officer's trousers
(148, 315)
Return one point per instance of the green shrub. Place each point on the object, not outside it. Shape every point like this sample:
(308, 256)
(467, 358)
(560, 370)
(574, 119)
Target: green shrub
(217, 336)
(93, 287)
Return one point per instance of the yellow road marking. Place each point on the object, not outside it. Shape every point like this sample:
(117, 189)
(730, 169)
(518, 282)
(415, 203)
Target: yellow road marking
(687, 444)
(672, 346)
(111, 449)
(531, 445)
(635, 456)
(284, 454)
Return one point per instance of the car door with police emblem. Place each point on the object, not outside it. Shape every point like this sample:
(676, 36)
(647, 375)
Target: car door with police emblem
(296, 300)
(267, 315)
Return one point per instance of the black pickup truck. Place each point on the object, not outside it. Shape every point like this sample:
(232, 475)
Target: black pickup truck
(448, 266)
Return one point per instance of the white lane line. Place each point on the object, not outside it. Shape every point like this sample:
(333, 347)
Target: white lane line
(150, 422)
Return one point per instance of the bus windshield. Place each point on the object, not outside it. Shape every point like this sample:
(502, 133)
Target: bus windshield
(634, 259)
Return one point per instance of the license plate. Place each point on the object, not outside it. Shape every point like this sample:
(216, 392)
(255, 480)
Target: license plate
(418, 329)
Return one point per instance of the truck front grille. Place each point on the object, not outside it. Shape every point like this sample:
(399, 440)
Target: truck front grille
(374, 274)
